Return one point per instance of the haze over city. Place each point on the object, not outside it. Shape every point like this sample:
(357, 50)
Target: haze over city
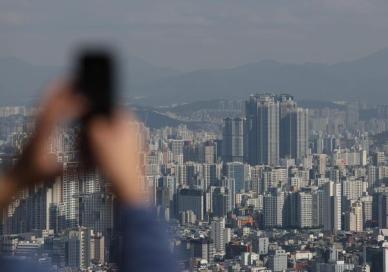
(188, 35)
(258, 140)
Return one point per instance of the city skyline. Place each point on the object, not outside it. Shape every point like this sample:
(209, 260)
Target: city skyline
(250, 136)
(225, 207)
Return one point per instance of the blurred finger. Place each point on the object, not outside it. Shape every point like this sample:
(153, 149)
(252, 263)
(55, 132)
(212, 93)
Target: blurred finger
(61, 104)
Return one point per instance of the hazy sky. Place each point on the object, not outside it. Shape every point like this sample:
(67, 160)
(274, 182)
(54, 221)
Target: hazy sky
(192, 34)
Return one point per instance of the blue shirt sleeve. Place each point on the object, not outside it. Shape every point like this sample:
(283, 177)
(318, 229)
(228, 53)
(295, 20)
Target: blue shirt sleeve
(145, 243)
(145, 246)
(11, 264)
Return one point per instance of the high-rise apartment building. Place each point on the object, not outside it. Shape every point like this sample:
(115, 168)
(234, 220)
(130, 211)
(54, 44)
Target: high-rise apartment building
(380, 209)
(177, 150)
(367, 209)
(305, 210)
(71, 189)
(275, 128)
(78, 248)
(233, 140)
(262, 129)
(273, 209)
(317, 207)
(354, 218)
(332, 206)
(294, 134)
(217, 231)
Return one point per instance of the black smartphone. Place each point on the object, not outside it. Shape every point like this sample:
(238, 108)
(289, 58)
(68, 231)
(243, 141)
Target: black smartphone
(95, 78)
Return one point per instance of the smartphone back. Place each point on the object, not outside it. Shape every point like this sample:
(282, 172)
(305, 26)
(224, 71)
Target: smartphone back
(96, 80)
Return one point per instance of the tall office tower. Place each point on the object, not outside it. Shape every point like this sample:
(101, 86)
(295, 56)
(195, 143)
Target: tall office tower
(233, 140)
(317, 208)
(191, 200)
(294, 132)
(262, 130)
(273, 209)
(290, 214)
(239, 172)
(217, 231)
(221, 201)
(78, 248)
(305, 210)
(354, 218)
(332, 206)
(278, 261)
(380, 209)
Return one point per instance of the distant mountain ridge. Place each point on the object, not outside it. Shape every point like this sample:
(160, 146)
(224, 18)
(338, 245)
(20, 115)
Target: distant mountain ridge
(364, 79)
(21, 83)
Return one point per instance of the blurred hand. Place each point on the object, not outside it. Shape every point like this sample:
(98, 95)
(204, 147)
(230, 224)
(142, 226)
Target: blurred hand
(113, 143)
(36, 164)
